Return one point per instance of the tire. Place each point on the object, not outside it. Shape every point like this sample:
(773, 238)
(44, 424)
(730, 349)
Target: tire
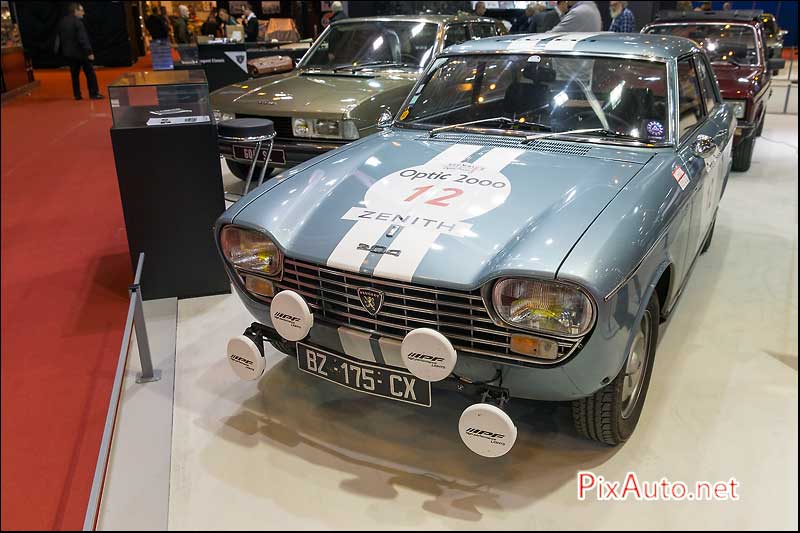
(743, 155)
(606, 416)
(240, 170)
(707, 243)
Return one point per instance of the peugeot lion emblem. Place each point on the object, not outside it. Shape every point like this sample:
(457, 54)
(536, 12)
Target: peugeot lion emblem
(371, 299)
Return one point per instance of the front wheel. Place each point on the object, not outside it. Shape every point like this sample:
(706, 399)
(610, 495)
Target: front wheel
(610, 415)
(743, 154)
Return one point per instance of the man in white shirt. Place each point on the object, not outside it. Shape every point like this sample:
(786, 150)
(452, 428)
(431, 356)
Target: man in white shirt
(581, 17)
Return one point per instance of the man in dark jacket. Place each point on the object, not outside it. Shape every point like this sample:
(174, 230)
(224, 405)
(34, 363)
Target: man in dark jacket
(250, 23)
(156, 25)
(75, 47)
(180, 26)
(337, 12)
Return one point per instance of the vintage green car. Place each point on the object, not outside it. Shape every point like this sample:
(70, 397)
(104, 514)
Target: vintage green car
(356, 69)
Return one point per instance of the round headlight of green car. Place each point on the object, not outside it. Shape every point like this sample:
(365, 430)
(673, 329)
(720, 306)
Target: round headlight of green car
(544, 306)
(250, 250)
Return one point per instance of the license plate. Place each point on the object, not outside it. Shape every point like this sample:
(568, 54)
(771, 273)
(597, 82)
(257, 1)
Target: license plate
(364, 377)
(246, 152)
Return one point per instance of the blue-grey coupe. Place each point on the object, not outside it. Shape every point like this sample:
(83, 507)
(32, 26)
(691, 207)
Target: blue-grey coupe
(519, 228)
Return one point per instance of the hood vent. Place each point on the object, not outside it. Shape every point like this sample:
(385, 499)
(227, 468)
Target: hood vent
(542, 145)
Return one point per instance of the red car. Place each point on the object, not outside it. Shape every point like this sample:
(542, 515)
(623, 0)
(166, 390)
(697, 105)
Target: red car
(735, 42)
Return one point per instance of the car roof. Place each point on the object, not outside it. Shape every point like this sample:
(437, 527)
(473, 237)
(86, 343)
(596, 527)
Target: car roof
(741, 16)
(646, 46)
(437, 19)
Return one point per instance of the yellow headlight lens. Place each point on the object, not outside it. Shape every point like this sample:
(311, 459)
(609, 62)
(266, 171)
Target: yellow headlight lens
(250, 250)
(543, 306)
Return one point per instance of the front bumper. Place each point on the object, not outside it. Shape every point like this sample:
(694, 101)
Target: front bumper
(295, 151)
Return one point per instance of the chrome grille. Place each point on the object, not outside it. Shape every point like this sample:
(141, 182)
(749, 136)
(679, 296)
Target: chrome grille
(461, 316)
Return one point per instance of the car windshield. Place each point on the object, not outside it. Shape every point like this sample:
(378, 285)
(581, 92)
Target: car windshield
(622, 98)
(374, 44)
(723, 43)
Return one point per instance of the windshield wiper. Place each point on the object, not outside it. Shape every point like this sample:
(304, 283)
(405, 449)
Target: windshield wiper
(505, 120)
(605, 132)
(360, 66)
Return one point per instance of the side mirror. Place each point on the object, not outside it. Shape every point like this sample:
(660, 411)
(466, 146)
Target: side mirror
(385, 119)
(704, 147)
(775, 64)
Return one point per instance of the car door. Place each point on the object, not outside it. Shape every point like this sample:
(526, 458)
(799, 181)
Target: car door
(723, 136)
(693, 124)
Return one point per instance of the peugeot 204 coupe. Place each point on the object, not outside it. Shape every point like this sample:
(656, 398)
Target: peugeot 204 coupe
(518, 230)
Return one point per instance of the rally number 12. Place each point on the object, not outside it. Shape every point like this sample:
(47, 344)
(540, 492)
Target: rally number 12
(435, 201)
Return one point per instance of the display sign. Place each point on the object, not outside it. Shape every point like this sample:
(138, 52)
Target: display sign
(166, 121)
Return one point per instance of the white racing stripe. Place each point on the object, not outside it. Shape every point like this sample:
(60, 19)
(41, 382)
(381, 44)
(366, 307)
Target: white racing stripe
(498, 158)
(568, 41)
(390, 349)
(356, 344)
(414, 243)
(347, 256)
(529, 43)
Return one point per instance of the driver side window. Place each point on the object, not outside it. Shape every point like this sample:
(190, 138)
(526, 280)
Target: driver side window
(456, 34)
(690, 101)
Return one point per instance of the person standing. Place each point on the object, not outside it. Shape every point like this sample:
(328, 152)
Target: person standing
(156, 26)
(180, 26)
(545, 20)
(77, 49)
(727, 6)
(337, 12)
(524, 22)
(480, 9)
(250, 23)
(167, 22)
(580, 17)
(210, 27)
(223, 19)
(622, 19)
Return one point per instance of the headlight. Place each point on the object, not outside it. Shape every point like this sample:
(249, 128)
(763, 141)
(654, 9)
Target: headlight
(324, 128)
(250, 250)
(544, 306)
(219, 116)
(738, 106)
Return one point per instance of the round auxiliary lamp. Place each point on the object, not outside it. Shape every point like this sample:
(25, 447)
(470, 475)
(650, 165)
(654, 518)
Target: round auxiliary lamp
(258, 132)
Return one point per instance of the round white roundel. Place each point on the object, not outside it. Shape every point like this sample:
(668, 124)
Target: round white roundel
(450, 191)
(290, 316)
(428, 354)
(245, 358)
(487, 430)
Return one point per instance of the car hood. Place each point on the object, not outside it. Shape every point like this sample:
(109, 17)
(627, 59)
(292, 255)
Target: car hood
(402, 206)
(315, 94)
(737, 82)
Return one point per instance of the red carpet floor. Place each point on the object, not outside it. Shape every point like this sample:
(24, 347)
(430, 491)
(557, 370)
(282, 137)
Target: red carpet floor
(65, 273)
